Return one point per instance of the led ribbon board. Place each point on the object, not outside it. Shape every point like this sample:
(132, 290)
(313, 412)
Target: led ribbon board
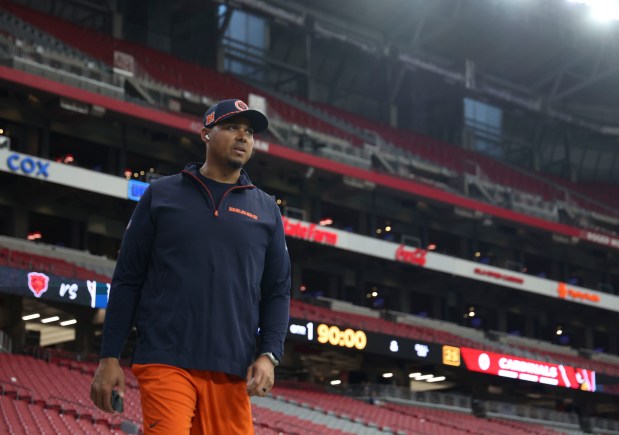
(541, 372)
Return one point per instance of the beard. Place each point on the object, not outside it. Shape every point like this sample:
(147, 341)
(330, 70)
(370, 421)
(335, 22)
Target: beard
(235, 164)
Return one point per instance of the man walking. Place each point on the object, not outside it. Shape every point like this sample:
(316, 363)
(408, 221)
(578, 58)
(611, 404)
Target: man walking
(204, 275)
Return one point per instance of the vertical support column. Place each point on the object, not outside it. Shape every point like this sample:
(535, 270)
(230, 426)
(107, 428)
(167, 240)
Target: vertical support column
(15, 326)
(84, 332)
(20, 222)
(296, 273)
(122, 152)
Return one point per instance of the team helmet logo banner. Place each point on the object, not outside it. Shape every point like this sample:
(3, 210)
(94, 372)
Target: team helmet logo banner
(37, 283)
(241, 105)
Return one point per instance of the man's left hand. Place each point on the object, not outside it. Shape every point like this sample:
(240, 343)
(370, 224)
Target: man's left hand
(260, 377)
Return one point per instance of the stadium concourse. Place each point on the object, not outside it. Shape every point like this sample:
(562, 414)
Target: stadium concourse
(447, 172)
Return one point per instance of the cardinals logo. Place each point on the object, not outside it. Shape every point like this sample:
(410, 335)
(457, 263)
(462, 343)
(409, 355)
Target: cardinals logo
(37, 283)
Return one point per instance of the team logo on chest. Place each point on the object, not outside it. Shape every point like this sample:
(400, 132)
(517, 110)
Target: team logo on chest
(243, 212)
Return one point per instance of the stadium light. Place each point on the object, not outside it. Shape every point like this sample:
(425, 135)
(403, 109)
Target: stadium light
(35, 235)
(68, 322)
(601, 10)
(559, 330)
(424, 377)
(414, 375)
(50, 319)
(336, 382)
(436, 379)
(387, 375)
(31, 316)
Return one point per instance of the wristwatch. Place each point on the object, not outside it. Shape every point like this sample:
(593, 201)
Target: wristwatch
(271, 358)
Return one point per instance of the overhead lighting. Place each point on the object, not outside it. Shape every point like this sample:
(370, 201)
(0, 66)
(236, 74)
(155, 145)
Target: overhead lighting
(388, 375)
(326, 221)
(431, 246)
(414, 375)
(50, 319)
(335, 382)
(559, 330)
(387, 228)
(35, 235)
(424, 377)
(437, 379)
(472, 312)
(31, 316)
(602, 10)
(374, 294)
(68, 322)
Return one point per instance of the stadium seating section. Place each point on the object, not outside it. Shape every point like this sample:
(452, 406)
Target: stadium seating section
(39, 263)
(172, 71)
(52, 397)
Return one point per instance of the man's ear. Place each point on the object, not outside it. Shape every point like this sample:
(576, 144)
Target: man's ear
(204, 134)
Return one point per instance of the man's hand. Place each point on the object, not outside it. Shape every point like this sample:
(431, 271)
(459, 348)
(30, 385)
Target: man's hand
(109, 374)
(260, 377)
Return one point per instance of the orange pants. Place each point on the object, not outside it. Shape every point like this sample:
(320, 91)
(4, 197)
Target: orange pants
(177, 401)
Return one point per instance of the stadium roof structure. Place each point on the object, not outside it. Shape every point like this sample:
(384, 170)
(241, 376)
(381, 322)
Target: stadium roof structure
(554, 55)
(550, 64)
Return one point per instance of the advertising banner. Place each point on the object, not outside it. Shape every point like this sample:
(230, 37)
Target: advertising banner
(541, 372)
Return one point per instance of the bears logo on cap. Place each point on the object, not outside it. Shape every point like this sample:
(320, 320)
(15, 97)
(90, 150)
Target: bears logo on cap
(240, 105)
(209, 118)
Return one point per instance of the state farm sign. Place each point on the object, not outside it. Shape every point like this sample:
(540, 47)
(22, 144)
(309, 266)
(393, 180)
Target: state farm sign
(309, 232)
(513, 367)
(565, 292)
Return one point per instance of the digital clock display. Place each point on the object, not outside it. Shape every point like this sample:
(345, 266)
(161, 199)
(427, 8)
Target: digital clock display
(330, 334)
(336, 337)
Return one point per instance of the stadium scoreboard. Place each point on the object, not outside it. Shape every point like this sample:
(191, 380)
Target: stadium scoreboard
(331, 335)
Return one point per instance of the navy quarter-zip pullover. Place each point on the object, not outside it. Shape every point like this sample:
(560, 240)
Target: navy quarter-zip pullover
(197, 279)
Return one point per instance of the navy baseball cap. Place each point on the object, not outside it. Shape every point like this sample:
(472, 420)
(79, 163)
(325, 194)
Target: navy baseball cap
(226, 109)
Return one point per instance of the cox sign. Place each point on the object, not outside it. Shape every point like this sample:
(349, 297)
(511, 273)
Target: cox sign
(28, 165)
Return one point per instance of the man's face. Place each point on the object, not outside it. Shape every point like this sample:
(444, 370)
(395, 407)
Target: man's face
(230, 143)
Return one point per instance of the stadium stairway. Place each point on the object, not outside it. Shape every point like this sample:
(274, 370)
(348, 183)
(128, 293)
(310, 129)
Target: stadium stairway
(410, 419)
(472, 424)
(303, 419)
